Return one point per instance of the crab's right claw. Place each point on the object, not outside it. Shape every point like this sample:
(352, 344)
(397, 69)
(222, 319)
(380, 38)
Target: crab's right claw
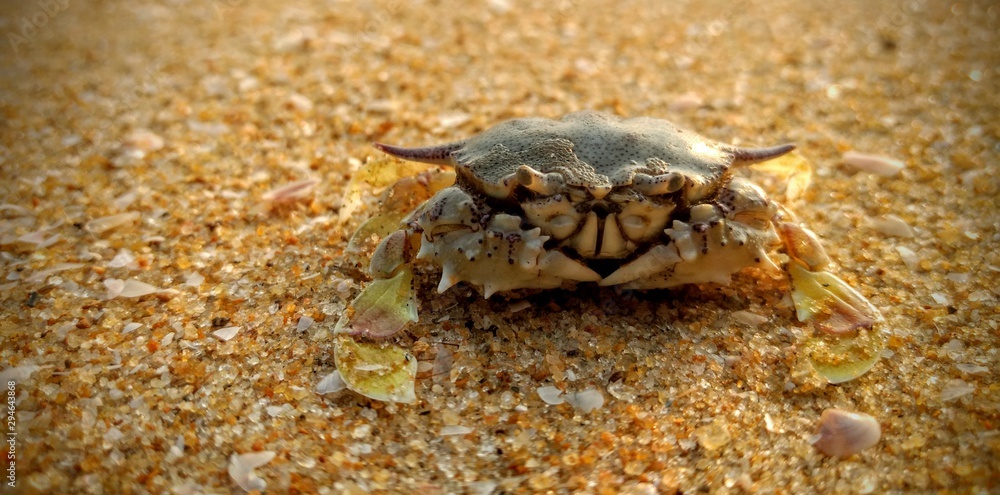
(820, 296)
(827, 301)
(846, 343)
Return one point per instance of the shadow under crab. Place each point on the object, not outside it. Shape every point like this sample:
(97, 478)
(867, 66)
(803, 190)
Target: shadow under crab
(592, 198)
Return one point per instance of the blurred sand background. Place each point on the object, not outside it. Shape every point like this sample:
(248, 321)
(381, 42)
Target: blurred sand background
(182, 115)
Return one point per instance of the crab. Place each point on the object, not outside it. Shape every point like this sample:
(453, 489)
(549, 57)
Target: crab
(593, 198)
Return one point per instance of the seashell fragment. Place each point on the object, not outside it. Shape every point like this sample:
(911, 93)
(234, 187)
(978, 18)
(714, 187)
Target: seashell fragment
(956, 388)
(241, 468)
(290, 192)
(135, 288)
(142, 141)
(585, 400)
(454, 430)
(226, 334)
(893, 226)
(104, 224)
(749, 319)
(331, 383)
(909, 257)
(18, 374)
(881, 165)
(550, 395)
(843, 433)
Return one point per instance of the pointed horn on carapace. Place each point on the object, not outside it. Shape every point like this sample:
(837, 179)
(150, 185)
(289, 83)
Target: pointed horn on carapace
(743, 156)
(438, 155)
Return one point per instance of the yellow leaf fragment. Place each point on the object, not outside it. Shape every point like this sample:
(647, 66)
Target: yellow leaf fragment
(835, 307)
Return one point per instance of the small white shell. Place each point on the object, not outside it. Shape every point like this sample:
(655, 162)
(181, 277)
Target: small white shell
(881, 165)
(845, 433)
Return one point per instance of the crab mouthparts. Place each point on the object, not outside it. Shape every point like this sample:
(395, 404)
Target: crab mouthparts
(601, 236)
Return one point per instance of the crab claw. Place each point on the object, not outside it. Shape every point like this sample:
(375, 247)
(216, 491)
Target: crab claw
(847, 343)
(802, 245)
(382, 309)
(834, 306)
(658, 258)
(390, 255)
(819, 295)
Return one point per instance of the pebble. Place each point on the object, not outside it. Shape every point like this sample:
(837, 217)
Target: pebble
(714, 435)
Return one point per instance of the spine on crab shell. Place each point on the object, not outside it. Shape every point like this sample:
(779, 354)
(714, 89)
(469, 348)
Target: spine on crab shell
(438, 155)
(745, 156)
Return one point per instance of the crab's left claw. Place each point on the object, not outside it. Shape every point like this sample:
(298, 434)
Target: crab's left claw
(846, 343)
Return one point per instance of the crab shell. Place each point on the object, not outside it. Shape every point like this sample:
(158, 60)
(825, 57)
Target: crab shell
(590, 197)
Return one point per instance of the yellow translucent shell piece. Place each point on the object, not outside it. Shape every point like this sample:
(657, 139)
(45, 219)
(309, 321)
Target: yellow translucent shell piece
(378, 370)
(795, 171)
(368, 235)
(375, 174)
(846, 344)
(404, 196)
(839, 359)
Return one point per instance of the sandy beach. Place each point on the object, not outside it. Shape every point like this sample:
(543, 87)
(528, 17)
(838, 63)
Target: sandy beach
(168, 304)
